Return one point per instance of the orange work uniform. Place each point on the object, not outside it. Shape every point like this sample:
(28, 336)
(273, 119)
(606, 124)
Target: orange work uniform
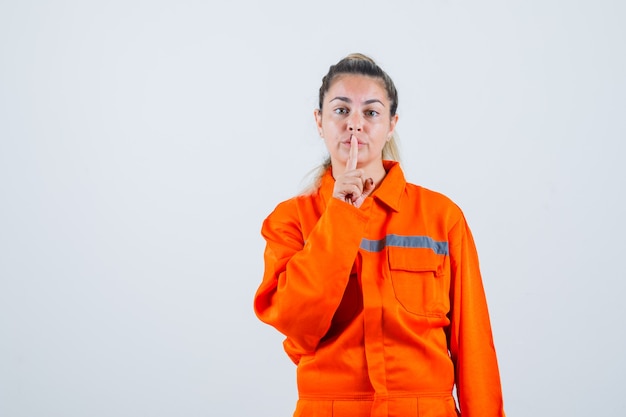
(382, 306)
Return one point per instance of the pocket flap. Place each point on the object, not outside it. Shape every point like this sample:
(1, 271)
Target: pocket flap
(415, 260)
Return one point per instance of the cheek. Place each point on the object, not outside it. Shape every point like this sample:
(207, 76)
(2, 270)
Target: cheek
(328, 142)
(331, 127)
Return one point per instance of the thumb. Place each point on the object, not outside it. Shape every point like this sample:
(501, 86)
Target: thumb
(368, 187)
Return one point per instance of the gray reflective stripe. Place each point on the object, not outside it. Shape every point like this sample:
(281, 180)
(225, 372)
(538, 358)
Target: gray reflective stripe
(423, 242)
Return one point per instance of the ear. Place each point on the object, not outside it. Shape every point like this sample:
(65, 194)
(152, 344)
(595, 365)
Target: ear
(392, 126)
(318, 121)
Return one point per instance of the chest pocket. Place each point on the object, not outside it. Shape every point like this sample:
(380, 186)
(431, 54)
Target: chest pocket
(418, 280)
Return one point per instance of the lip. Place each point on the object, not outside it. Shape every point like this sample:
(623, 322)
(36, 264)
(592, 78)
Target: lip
(347, 141)
(348, 144)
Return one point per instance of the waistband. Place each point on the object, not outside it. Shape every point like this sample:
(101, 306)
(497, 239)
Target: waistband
(393, 405)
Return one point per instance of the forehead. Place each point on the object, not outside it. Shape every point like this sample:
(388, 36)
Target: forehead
(357, 86)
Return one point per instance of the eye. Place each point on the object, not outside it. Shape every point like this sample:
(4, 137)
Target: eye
(341, 110)
(371, 113)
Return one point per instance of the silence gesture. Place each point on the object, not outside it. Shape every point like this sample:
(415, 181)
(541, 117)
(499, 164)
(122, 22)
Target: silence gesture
(351, 186)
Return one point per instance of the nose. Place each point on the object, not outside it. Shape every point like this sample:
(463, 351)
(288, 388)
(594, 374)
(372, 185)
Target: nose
(355, 122)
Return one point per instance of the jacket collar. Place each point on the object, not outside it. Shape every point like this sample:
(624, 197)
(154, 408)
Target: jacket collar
(389, 192)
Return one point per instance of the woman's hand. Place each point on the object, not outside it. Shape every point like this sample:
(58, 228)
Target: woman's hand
(351, 186)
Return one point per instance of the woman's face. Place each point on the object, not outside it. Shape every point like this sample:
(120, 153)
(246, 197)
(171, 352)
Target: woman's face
(356, 105)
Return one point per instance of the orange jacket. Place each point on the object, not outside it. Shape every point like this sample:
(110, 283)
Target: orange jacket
(383, 306)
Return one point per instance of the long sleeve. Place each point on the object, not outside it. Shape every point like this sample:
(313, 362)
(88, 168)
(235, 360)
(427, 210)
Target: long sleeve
(471, 343)
(306, 275)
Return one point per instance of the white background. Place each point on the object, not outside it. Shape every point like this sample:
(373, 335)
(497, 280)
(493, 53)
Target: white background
(142, 143)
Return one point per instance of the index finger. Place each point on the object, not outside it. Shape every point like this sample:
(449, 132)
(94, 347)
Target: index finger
(354, 154)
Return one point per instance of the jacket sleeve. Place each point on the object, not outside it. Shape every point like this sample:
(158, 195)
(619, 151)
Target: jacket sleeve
(470, 338)
(304, 281)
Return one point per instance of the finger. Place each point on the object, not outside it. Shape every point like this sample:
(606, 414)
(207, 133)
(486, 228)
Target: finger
(354, 154)
(352, 192)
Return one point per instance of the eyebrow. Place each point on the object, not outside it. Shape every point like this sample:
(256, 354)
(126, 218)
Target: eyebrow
(347, 100)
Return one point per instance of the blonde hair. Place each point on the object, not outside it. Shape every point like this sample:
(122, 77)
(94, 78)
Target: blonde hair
(359, 64)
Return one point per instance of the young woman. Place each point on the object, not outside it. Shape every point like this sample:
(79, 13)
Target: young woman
(375, 281)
